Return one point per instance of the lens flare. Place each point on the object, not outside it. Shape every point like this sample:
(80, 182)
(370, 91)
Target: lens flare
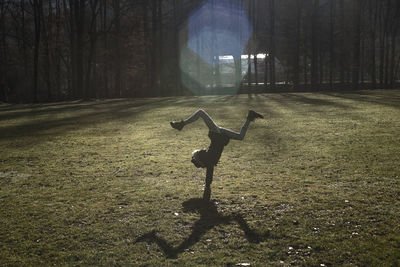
(214, 38)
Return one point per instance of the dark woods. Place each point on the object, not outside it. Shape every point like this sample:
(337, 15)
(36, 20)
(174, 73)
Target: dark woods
(79, 49)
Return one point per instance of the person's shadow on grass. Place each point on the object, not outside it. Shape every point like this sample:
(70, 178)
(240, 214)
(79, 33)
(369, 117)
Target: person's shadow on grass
(209, 218)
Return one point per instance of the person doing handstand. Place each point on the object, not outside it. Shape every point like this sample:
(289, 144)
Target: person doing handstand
(219, 137)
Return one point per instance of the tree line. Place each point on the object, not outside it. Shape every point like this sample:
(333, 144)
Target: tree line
(81, 49)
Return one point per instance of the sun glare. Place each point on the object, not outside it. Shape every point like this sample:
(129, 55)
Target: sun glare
(214, 37)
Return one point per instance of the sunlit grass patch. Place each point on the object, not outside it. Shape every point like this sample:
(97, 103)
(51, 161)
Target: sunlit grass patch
(316, 182)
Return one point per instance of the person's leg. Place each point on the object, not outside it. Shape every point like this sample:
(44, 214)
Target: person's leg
(198, 114)
(234, 135)
(252, 115)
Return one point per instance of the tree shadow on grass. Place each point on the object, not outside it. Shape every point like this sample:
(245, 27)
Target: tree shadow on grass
(59, 118)
(209, 218)
(314, 100)
(62, 118)
(388, 98)
(80, 115)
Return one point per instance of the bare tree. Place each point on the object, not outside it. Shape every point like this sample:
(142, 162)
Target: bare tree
(3, 54)
(296, 60)
(394, 33)
(356, 43)
(37, 8)
(117, 40)
(47, 35)
(332, 10)
(373, 17)
(314, 45)
(94, 11)
(342, 54)
(272, 41)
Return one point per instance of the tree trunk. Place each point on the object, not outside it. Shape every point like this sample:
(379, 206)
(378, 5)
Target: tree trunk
(117, 48)
(73, 45)
(373, 16)
(176, 71)
(305, 49)
(80, 25)
(58, 49)
(395, 27)
(254, 40)
(214, 55)
(296, 61)
(198, 49)
(314, 46)
(356, 44)
(342, 57)
(384, 16)
(92, 49)
(266, 64)
(37, 7)
(238, 67)
(23, 37)
(272, 45)
(331, 43)
(107, 92)
(387, 60)
(362, 62)
(148, 56)
(3, 56)
(46, 34)
(250, 46)
(249, 71)
(321, 57)
(396, 69)
(160, 50)
(154, 43)
(255, 59)
(105, 46)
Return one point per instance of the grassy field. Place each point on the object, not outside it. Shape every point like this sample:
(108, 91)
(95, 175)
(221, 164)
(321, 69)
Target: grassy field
(316, 183)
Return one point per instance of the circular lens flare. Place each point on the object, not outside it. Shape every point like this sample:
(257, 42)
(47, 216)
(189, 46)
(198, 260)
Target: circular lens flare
(214, 38)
